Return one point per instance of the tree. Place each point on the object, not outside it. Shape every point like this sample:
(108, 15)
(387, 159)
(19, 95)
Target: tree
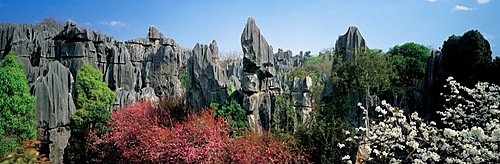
(52, 23)
(17, 106)
(93, 96)
(93, 102)
(466, 58)
(409, 61)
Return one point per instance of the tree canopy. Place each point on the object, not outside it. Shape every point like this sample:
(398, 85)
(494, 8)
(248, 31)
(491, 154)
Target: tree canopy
(409, 61)
(467, 57)
(17, 106)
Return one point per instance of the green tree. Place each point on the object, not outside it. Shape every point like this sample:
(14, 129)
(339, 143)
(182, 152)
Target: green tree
(409, 61)
(93, 102)
(467, 58)
(369, 72)
(17, 106)
(232, 110)
(93, 96)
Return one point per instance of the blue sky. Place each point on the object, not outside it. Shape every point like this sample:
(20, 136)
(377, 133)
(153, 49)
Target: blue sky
(291, 25)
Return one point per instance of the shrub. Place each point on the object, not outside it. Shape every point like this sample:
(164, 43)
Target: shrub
(141, 135)
(232, 110)
(26, 153)
(93, 101)
(17, 106)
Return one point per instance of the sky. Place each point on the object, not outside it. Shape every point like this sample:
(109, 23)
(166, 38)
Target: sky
(297, 25)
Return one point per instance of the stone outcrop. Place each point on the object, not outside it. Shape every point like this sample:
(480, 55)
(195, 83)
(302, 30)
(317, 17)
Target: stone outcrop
(54, 107)
(258, 70)
(352, 40)
(301, 91)
(426, 94)
(137, 68)
(206, 80)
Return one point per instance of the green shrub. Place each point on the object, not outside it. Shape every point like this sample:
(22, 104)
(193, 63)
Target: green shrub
(17, 106)
(232, 110)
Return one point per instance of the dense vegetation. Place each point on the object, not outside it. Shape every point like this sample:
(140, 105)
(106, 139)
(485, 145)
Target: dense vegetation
(17, 106)
(93, 102)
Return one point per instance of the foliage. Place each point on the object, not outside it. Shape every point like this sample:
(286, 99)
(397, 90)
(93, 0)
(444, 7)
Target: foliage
(312, 67)
(466, 58)
(409, 61)
(17, 120)
(184, 80)
(232, 111)
(93, 100)
(321, 136)
(370, 71)
(52, 23)
(285, 119)
(265, 148)
(26, 153)
(141, 135)
(473, 135)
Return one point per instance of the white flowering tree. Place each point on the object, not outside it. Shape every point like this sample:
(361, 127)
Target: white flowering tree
(472, 134)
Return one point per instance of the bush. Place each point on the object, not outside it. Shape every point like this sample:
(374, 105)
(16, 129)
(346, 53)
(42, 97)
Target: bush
(26, 153)
(140, 133)
(473, 135)
(232, 111)
(93, 101)
(17, 106)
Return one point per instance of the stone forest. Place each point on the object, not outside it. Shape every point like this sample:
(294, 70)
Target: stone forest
(69, 94)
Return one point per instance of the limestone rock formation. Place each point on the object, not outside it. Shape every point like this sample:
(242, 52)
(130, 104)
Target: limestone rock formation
(53, 107)
(427, 93)
(301, 91)
(258, 70)
(137, 68)
(206, 80)
(352, 40)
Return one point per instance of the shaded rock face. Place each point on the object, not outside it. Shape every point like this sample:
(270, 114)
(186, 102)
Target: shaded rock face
(135, 69)
(426, 94)
(351, 40)
(258, 71)
(207, 81)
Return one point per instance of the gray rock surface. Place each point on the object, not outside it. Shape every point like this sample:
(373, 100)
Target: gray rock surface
(258, 71)
(138, 68)
(207, 81)
(352, 40)
(53, 107)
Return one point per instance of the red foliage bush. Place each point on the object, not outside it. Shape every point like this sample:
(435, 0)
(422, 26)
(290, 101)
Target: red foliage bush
(140, 133)
(265, 148)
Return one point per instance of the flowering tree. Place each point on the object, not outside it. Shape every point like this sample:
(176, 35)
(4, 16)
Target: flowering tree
(473, 134)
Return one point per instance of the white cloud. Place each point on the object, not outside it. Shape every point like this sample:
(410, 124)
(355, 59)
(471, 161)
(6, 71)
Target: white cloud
(113, 23)
(432, 1)
(483, 1)
(461, 8)
(87, 23)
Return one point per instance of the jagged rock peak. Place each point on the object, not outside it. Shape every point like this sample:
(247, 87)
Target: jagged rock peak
(257, 54)
(154, 33)
(70, 23)
(351, 40)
